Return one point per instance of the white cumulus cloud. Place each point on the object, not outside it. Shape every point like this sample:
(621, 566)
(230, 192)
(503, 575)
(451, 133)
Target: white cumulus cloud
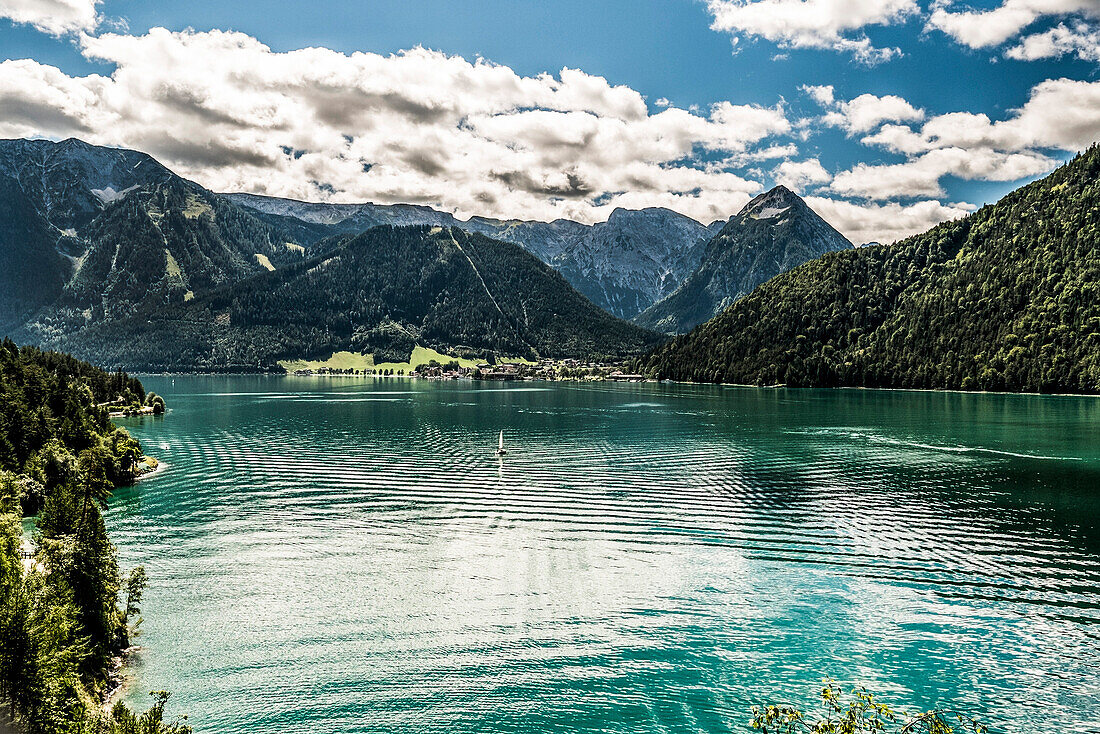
(799, 175)
(987, 28)
(56, 17)
(417, 126)
(474, 137)
(920, 177)
(885, 223)
(1062, 114)
(865, 112)
(826, 24)
(1079, 39)
(1059, 115)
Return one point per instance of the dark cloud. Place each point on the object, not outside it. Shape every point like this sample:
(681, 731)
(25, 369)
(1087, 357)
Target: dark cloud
(208, 153)
(41, 115)
(575, 188)
(345, 107)
(184, 100)
(424, 162)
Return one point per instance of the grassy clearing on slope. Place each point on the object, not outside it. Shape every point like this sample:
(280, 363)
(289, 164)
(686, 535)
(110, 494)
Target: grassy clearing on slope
(423, 355)
(338, 361)
(351, 360)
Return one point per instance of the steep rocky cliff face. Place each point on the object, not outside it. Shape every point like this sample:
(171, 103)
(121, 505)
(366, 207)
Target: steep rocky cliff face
(774, 233)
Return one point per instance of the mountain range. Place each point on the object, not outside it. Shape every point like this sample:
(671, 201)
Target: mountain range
(95, 238)
(623, 265)
(660, 269)
(107, 253)
(1007, 298)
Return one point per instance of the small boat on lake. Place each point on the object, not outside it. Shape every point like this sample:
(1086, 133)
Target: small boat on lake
(500, 445)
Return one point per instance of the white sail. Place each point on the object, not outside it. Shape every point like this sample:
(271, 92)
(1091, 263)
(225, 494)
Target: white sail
(500, 444)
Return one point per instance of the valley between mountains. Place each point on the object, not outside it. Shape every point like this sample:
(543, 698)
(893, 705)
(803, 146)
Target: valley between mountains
(109, 255)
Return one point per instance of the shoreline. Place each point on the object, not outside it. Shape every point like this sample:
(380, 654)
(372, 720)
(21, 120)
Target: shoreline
(943, 390)
(938, 390)
(157, 468)
(161, 466)
(120, 678)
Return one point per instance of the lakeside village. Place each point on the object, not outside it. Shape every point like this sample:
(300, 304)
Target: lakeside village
(546, 369)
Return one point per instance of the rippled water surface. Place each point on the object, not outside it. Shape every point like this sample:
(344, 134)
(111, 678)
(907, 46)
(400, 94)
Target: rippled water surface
(349, 555)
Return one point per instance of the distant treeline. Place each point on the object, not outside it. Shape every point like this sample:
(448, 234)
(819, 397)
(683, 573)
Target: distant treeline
(1005, 299)
(61, 620)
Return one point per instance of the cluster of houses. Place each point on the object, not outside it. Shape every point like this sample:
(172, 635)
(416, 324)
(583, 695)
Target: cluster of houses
(546, 369)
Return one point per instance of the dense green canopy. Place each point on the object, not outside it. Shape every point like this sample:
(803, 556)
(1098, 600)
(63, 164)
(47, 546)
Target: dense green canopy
(60, 618)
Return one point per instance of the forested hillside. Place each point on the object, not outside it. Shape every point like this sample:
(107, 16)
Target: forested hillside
(32, 271)
(1005, 299)
(159, 245)
(61, 620)
(380, 292)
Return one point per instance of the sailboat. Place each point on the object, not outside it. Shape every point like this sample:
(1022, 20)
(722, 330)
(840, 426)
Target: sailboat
(500, 445)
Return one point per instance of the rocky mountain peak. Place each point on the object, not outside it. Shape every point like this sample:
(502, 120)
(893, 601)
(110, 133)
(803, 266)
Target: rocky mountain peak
(773, 233)
(618, 214)
(773, 203)
(72, 181)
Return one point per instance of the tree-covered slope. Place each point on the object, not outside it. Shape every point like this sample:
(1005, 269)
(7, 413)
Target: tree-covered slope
(61, 620)
(1005, 299)
(383, 291)
(49, 191)
(773, 233)
(159, 244)
(32, 271)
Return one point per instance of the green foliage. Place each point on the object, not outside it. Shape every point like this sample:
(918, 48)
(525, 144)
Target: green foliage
(32, 272)
(60, 620)
(1006, 299)
(861, 712)
(382, 292)
(156, 402)
(123, 720)
(158, 243)
(135, 589)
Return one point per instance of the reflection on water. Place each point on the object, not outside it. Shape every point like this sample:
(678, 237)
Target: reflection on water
(351, 555)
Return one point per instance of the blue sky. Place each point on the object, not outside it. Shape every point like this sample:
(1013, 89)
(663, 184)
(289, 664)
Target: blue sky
(930, 57)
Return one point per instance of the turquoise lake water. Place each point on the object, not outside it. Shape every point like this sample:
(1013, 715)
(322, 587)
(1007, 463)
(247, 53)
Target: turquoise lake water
(349, 555)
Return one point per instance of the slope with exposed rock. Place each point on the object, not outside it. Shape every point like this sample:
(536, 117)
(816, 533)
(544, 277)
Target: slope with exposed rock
(94, 234)
(774, 232)
(622, 265)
